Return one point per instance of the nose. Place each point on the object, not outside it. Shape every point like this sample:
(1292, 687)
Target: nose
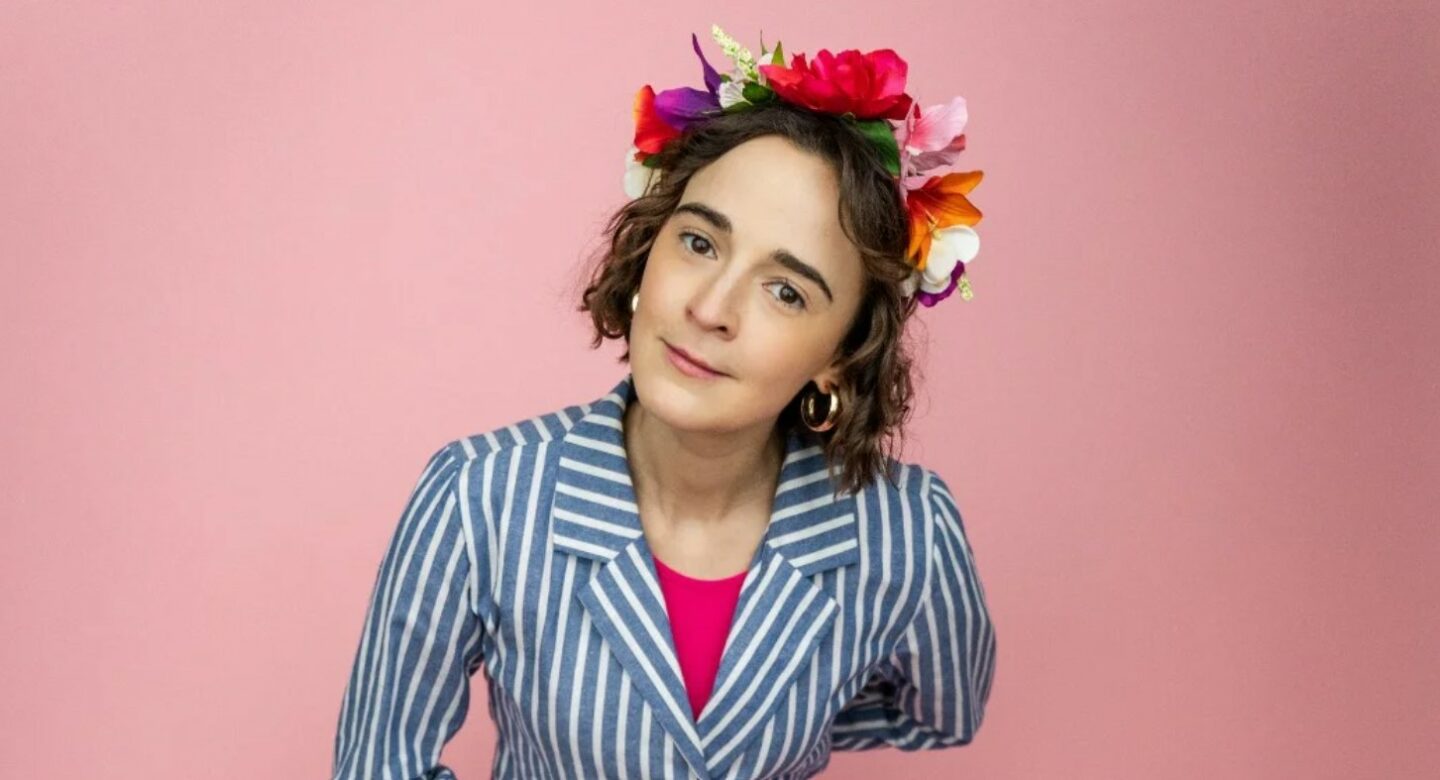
(713, 304)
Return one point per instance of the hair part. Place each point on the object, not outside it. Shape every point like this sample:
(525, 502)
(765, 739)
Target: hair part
(876, 383)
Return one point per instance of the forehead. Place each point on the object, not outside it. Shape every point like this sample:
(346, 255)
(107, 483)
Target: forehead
(778, 196)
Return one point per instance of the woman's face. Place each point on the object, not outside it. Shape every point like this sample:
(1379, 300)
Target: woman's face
(752, 275)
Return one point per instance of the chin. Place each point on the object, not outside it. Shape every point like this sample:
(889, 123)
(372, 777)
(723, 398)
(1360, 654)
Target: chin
(680, 402)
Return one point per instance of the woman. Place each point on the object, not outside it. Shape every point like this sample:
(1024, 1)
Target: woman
(713, 569)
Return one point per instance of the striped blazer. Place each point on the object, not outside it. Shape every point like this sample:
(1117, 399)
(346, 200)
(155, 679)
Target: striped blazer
(861, 623)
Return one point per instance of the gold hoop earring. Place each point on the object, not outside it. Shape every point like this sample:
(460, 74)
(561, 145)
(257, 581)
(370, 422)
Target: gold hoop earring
(634, 302)
(807, 411)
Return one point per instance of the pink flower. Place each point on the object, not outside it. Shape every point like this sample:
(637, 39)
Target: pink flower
(932, 138)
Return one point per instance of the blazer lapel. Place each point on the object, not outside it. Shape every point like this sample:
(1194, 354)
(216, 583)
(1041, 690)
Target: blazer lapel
(782, 615)
(594, 515)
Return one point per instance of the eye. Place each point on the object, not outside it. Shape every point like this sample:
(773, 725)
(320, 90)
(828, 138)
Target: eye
(789, 296)
(705, 244)
(794, 300)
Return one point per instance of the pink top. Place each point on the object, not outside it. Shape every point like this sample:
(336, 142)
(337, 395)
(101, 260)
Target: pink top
(700, 612)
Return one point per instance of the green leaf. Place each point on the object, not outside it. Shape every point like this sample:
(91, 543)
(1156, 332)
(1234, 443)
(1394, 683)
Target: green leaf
(880, 134)
(757, 93)
(779, 55)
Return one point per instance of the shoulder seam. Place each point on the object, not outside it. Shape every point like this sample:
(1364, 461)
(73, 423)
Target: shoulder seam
(926, 493)
(467, 535)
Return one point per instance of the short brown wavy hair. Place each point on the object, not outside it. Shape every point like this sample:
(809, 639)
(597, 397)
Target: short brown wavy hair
(876, 372)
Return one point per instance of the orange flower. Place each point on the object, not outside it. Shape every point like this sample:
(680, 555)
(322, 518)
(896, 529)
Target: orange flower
(937, 204)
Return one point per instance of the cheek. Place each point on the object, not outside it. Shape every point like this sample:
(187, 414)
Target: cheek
(779, 362)
(664, 267)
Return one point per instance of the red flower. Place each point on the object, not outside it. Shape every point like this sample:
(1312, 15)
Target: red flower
(651, 130)
(870, 86)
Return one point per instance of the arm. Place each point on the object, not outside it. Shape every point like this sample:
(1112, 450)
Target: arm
(932, 690)
(409, 687)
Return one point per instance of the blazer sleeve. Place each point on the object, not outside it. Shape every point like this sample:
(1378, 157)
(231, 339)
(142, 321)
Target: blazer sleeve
(931, 691)
(423, 637)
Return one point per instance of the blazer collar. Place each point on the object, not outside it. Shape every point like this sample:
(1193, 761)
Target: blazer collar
(782, 615)
(594, 512)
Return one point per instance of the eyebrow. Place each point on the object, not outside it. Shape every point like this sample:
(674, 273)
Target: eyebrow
(781, 256)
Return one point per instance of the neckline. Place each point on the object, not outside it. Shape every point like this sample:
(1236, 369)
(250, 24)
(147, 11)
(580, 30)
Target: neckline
(701, 580)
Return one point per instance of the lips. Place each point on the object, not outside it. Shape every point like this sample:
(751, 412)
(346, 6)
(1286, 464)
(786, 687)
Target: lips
(691, 358)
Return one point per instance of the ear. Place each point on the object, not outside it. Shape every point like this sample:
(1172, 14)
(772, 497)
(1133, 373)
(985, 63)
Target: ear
(828, 379)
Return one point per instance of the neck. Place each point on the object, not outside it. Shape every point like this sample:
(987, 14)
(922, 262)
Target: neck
(700, 477)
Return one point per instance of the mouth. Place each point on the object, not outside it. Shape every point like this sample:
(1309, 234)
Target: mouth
(690, 365)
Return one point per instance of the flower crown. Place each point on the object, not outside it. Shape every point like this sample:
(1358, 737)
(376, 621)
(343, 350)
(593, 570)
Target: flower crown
(867, 89)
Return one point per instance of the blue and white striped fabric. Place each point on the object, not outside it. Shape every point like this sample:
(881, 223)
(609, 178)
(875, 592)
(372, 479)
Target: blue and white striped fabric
(862, 622)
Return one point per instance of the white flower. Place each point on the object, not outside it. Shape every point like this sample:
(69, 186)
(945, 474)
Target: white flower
(731, 92)
(741, 56)
(638, 178)
(948, 247)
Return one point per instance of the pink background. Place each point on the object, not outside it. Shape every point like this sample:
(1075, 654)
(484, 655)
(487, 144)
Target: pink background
(260, 259)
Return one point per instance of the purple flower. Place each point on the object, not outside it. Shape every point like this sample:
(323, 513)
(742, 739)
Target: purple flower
(682, 106)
